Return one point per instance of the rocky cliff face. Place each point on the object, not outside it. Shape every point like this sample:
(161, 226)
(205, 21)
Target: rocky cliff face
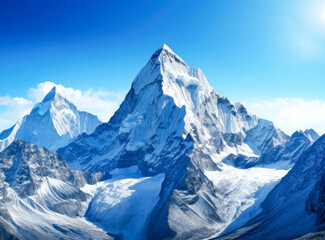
(40, 195)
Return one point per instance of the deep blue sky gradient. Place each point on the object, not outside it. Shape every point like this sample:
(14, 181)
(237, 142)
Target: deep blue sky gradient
(243, 47)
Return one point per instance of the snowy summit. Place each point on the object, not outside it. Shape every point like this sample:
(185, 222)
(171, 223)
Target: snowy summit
(52, 123)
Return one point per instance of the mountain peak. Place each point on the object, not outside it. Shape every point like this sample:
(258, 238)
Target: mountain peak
(52, 99)
(308, 133)
(176, 76)
(166, 48)
(164, 51)
(311, 134)
(52, 95)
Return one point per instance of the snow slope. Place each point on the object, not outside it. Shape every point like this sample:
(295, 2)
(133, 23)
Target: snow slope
(241, 188)
(122, 204)
(295, 206)
(52, 123)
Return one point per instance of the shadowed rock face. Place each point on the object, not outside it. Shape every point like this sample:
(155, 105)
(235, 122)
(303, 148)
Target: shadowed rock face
(316, 200)
(6, 234)
(313, 236)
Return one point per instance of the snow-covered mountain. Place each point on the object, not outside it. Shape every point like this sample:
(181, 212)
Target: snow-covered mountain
(52, 123)
(281, 156)
(40, 196)
(172, 122)
(296, 206)
(169, 103)
(176, 161)
(311, 134)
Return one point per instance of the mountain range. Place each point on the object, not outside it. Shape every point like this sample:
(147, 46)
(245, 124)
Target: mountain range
(177, 160)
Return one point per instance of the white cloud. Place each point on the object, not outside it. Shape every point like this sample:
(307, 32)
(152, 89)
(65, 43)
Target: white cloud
(98, 102)
(291, 114)
(14, 109)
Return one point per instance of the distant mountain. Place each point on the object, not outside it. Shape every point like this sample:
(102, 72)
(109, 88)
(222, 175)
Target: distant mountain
(281, 156)
(40, 196)
(172, 122)
(311, 134)
(52, 123)
(296, 206)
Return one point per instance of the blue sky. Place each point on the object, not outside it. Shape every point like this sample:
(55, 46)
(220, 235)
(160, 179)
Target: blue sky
(257, 52)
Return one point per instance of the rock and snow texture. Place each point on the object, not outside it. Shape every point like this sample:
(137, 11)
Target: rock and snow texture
(40, 196)
(43, 198)
(282, 156)
(170, 102)
(172, 122)
(296, 206)
(311, 134)
(52, 123)
(243, 189)
(122, 204)
(177, 160)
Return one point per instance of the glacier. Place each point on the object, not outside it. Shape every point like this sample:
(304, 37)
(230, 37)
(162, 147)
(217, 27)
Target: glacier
(129, 197)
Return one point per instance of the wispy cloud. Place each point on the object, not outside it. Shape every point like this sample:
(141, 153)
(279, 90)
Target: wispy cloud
(291, 114)
(98, 102)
